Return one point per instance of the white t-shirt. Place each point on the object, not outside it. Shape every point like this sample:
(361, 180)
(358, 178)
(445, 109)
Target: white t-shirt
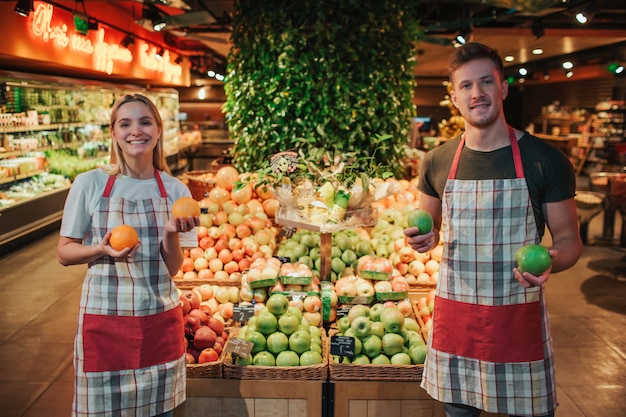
(87, 189)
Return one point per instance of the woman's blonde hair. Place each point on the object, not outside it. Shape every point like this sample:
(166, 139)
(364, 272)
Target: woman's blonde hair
(117, 157)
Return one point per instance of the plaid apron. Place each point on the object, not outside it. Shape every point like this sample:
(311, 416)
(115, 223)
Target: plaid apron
(129, 349)
(490, 346)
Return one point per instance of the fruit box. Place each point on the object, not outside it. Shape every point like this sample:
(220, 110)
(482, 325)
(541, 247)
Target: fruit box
(393, 295)
(295, 280)
(206, 370)
(372, 372)
(344, 299)
(317, 372)
(375, 275)
(259, 283)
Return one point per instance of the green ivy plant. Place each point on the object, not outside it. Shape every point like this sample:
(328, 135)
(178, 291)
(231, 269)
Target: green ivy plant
(321, 74)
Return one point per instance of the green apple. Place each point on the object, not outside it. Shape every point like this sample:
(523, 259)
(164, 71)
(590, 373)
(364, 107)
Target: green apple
(411, 324)
(417, 354)
(381, 359)
(392, 343)
(378, 329)
(401, 358)
(414, 339)
(239, 360)
(372, 345)
(361, 326)
(376, 310)
(266, 323)
(264, 358)
(393, 319)
(360, 360)
(288, 324)
(294, 311)
(277, 304)
(311, 358)
(316, 340)
(316, 348)
(358, 345)
(343, 324)
(277, 342)
(287, 358)
(300, 341)
(359, 310)
(257, 339)
(315, 331)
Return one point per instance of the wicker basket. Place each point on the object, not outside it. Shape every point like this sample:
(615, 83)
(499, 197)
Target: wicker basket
(199, 183)
(371, 372)
(188, 284)
(423, 329)
(317, 372)
(206, 370)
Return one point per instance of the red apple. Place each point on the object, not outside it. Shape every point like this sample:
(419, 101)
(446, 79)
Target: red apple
(204, 338)
(194, 298)
(208, 355)
(185, 304)
(216, 325)
(190, 359)
(192, 324)
(202, 317)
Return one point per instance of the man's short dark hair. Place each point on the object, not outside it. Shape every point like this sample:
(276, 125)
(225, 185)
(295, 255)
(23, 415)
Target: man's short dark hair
(471, 51)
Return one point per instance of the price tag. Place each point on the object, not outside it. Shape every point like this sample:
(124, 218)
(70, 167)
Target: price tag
(243, 312)
(342, 345)
(343, 311)
(239, 347)
(283, 259)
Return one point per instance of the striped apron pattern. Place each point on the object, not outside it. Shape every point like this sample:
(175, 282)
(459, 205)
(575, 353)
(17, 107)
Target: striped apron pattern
(490, 346)
(129, 353)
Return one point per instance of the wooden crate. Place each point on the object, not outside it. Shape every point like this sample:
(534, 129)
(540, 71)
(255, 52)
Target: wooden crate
(383, 399)
(252, 398)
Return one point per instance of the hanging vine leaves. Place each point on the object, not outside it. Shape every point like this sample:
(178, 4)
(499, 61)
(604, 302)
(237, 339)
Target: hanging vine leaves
(330, 74)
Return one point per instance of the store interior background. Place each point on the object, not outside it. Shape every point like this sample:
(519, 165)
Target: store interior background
(587, 303)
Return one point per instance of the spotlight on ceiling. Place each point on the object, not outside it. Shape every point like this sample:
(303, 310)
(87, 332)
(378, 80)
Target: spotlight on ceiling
(160, 25)
(159, 54)
(615, 68)
(178, 60)
(586, 13)
(127, 41)
(24, 7)
(538, 29)
(464, 36)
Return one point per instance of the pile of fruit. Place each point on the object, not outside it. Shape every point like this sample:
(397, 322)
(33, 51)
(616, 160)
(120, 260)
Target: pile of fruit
(382, 335)
(281, 336)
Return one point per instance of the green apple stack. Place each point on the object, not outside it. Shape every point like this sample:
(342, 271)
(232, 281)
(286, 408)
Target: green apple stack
(281, 336)
(382, 336)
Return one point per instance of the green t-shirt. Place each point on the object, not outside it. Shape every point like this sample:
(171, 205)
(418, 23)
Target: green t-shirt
(549, 173)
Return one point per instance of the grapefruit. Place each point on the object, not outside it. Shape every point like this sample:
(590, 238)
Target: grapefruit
(123, 236)
(421, 219)
(534, 259)
(185, 207)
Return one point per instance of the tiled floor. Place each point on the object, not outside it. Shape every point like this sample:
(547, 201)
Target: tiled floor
(40, 303)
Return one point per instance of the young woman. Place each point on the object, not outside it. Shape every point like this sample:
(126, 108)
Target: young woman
(129, 353)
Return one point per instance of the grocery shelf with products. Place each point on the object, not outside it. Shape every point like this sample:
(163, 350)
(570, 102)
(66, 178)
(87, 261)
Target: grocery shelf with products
(50, 131)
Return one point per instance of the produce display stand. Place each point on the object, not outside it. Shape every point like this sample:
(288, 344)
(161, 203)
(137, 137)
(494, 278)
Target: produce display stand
(382, 399)
(254, 398)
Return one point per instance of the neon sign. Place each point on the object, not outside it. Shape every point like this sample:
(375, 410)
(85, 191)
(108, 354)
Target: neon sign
(105, 55)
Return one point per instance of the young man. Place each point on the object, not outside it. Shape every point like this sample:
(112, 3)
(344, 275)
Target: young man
(491, 191)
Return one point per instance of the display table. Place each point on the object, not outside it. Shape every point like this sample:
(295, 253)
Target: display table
(563, 143)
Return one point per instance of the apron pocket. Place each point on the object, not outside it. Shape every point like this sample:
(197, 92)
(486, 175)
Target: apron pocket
(113, 343)
(509, 333)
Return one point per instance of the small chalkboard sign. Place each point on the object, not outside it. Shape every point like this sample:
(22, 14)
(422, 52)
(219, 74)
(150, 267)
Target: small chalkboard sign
(342, 311)
(243, 312)
(239, 347)
(283, 259)
(342, 345)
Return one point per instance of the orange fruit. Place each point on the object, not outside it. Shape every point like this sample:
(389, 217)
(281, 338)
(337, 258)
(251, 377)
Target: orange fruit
(422, 220)
(185, 207)
(533, 258)
(123, 236)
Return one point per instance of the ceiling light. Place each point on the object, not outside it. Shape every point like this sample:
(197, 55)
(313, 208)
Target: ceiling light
(546, 74)
(585, 14)
(538, 29)
(159, 26)
(537, 51)
(523, 71)
(127, 41)
(464, 36)
(178, 60)
(615, 68)
(568, 65)
(569, 74)
(509, 58)
(24, 7)
(159, 54)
